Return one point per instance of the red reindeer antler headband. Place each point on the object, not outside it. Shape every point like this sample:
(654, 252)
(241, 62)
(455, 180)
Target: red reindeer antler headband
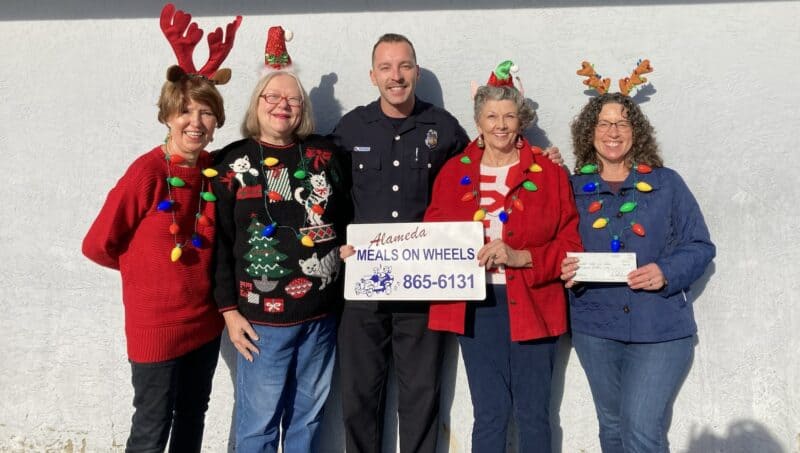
(183, 35)
(626, 84)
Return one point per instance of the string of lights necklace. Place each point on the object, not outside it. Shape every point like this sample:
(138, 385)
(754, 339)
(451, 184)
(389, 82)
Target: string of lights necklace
(168, 204)
(472, 193)
(628, 207)
(273, 196)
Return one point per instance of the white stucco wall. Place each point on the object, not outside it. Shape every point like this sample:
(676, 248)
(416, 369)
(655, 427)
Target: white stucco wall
(77, 106)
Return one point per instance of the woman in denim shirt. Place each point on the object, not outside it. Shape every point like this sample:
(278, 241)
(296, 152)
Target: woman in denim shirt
(635, 341)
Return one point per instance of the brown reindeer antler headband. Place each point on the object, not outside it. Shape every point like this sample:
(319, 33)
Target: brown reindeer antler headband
(183, 35)
(626, 84)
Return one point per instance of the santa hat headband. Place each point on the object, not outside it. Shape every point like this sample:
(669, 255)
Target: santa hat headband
(183, 35)
(626, 84)
(276, 57)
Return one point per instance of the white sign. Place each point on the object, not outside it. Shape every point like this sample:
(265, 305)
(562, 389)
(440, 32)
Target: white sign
(415, 261)
(604, 267)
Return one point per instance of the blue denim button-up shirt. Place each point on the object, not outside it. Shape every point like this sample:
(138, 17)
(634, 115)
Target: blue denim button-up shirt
(676, 239)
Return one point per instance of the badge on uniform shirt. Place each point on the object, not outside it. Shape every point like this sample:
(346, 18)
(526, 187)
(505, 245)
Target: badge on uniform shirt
(363, 149)
(432, 139)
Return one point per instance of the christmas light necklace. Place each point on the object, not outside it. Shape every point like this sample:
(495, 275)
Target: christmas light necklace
(273, 196)
(168, 204)
(516, 202)
(628, 207)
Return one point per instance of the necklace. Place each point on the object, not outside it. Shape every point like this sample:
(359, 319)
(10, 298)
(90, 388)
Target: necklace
(271, 196)
(626, 208)
(514, 157)
(472, 193)
(168, 204)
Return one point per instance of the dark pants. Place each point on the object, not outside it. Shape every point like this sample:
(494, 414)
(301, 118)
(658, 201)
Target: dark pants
(506, 377)
(368, 341)
(172, 394)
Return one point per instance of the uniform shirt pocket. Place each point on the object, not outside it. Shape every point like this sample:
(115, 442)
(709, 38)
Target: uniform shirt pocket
(366, 160)
(417, 157)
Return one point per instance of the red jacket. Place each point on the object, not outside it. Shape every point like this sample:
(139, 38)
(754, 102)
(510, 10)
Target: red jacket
(547, 226)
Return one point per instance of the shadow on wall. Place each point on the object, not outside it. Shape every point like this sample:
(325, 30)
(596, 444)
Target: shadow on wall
(744, 436)
(327, 109)
(699, 287)
(534, 134)
(429, 89)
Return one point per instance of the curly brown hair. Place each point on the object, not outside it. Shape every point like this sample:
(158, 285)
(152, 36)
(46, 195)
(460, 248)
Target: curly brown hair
(644, 149)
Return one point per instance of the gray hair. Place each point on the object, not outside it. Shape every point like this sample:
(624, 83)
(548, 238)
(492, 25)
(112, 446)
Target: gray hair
(250, 126)
(505, 93)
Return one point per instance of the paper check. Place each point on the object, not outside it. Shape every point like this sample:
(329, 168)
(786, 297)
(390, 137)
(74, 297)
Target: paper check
(604, 267)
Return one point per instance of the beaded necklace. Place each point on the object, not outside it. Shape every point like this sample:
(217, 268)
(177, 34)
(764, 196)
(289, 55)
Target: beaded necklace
(168, 204)
(272, 196)
(628, 207)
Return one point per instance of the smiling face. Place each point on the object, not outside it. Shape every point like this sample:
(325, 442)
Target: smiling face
(278, 122)
(191, 130)
(613, 135)
(395, 73)
(499, 124)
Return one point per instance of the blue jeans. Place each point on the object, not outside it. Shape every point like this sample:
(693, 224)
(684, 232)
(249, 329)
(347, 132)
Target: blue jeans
(506, 376)
(170, 400)
(285, 387)
(633, 386)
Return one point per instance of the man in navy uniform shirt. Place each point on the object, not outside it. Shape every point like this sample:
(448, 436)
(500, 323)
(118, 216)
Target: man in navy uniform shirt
(396, 146)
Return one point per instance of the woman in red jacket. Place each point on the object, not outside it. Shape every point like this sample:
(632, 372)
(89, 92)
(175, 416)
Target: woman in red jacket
(525, 202)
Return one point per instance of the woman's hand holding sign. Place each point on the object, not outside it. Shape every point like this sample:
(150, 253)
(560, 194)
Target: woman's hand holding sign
(498, 253)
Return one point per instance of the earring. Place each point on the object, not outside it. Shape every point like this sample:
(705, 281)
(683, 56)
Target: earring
(520, 143)
(480, 143)
(169, 135)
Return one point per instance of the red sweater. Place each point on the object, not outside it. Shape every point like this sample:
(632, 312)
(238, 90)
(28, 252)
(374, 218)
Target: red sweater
(168, 306)
(547, 227)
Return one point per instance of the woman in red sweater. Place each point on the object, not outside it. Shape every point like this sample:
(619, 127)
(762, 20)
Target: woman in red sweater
(508, 342)
(157, 228)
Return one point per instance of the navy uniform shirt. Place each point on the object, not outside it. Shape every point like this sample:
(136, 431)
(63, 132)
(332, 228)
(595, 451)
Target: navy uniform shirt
(394, 163)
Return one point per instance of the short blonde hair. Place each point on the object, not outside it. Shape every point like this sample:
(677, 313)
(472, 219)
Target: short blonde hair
(176, 95)
(250, 126)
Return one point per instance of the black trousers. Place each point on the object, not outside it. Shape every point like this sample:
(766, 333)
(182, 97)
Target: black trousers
(172, 394)
(369, 338)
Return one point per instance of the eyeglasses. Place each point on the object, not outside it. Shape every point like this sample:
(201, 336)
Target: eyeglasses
(272, 98)
(622, 126)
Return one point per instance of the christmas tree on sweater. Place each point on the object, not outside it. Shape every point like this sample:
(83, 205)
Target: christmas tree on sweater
(264, 258)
